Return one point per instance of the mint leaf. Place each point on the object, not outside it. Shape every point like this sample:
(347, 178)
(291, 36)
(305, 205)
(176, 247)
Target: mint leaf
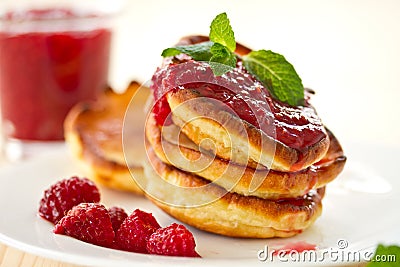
(170, 52)
(199, 52)
(222, 59)
(218, 51)
(277, 74)
(221, 32)
(385, 256)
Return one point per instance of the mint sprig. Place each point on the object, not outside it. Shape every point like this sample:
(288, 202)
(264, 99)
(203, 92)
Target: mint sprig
(223, 58)
(275, 72)
(272, 69)
(219, 51)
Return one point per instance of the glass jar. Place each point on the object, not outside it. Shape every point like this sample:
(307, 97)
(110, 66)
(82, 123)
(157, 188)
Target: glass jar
(51, 57)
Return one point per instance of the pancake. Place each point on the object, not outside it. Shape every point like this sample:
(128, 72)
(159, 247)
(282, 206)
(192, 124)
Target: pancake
(233, 214)
(238, 179)
(235, 139)
(93, 132)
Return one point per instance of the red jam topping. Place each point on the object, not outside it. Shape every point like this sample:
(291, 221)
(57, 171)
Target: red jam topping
(306, 201)
(43, 73)
(240, 93)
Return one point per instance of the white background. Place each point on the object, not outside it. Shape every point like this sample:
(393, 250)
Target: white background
(347, 51)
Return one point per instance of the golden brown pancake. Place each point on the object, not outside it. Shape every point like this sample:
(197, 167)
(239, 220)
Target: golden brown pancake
(235, 139)
(93, 131)
(233, 214)
(238, 179)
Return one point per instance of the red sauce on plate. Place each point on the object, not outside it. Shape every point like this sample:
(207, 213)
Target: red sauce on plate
(299, 247)
(239, 92)
(44, 73)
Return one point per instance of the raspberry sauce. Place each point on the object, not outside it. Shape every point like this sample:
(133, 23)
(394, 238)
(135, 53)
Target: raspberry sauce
(49, 60)
(240, 93)
(299, 247)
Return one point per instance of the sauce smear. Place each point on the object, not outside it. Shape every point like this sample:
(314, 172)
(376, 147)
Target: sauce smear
(299, 247)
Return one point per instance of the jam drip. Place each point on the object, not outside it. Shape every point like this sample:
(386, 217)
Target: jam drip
(240, 93)
(307, 200)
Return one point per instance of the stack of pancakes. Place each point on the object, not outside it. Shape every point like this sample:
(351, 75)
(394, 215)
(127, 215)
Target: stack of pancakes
(215, 171)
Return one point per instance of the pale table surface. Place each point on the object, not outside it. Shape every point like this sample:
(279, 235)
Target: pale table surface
(12, 257)
(347, 51)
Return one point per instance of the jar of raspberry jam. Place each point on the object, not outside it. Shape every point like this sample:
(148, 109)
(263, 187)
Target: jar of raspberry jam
(50, 59)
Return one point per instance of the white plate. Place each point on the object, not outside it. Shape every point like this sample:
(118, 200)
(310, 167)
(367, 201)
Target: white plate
(360, 207)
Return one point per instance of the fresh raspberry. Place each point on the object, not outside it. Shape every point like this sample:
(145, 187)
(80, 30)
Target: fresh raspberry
(65, 194)
(174, 240)
(117, 215)
(135, 231)
(88, 222)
